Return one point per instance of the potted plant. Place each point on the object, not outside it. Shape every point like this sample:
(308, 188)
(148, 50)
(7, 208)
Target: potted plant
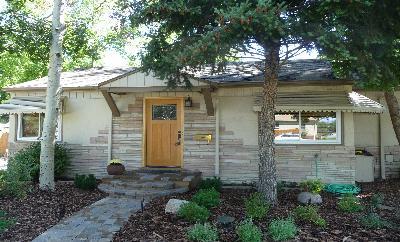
(115, 167)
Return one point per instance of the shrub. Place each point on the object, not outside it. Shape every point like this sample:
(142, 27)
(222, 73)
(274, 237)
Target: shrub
(211, 183)
(15, 180)
(248, 232)
(193, 212)
(203, 233)
(350, 203)
(5, 222)
(313, 186)
(309, 213)
(85, 182)
(31, 155)
(373, 221)
(256, 206)
(207, 198)
(282, 229)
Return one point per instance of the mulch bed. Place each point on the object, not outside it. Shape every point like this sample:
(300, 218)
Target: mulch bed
(152, 224)
(40, 210)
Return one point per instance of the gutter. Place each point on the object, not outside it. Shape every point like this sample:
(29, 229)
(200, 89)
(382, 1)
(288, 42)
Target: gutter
(382, 147)
(217, 121)
(109, 143)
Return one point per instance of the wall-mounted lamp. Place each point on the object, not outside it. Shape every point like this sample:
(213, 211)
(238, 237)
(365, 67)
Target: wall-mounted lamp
(188, 102)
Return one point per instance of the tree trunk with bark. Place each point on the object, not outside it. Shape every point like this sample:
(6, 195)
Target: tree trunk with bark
(46, 178)
(266, 126)
(393, 106)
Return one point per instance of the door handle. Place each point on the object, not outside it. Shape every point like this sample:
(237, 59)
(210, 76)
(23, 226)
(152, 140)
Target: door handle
(179, 138)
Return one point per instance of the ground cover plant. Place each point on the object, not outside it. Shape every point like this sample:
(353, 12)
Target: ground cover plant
(247, 231)
(193, 212)
(85, 182)
(5, 222)
(282, 229)
(309, 213)
(203, 233)
(211, 183)
(207, 198)
(314, 186)
(350, 204)
(256, 206)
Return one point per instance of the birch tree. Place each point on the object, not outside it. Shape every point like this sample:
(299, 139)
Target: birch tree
(46, 178)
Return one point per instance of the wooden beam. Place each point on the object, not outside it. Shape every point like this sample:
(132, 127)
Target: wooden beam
(208, 100)
(147, 89)
(111, 103)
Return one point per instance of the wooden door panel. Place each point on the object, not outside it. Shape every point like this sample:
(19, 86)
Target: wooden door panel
(163, 122)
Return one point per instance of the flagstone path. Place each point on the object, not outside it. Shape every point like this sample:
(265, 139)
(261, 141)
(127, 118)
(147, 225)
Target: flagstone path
(97, 222)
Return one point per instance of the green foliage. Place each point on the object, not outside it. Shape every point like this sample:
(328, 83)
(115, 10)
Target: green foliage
(203, 233)
(85, 182)
(313, 186)
(256, 206)
(350, 203)
(5, 222)
(309, 213)
(207, 198)
(374, 221)
(248, 231)
(16, 179)
(211, 183)
(376, 200)
(193, 212)
(31, 157)
(282, 229)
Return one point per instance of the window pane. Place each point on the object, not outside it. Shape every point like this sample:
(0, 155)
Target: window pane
(30, 125)
(164, 112)
(287, 127)
(318, 126)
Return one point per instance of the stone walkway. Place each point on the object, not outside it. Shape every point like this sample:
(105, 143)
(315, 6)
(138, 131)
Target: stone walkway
(97, 222)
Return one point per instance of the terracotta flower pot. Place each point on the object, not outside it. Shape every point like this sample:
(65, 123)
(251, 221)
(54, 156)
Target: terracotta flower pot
(115, 169)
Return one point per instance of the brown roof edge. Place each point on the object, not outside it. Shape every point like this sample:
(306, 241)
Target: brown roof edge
(120, 76)
(287, 83)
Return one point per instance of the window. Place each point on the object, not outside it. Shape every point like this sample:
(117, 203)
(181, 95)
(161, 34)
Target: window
(30, 126)
(164, 112)
(308, 127)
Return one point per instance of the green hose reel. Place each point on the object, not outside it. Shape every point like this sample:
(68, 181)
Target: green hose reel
(342, 189)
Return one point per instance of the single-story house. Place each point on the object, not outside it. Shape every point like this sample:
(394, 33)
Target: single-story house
(124, 113)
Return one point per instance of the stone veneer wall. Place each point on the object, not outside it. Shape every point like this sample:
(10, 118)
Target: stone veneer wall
(239, 162)
(392, 169)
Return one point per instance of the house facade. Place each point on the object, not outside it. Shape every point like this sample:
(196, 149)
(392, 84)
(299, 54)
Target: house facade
(127, 114)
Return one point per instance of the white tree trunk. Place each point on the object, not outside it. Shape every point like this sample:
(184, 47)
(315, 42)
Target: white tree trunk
(46, 179)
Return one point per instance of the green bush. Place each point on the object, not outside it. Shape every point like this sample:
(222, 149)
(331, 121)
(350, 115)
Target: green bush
(206, 197)
(5, 222)
(193, 212)
(350, 203)
(374, 221)
(314, 186)
(248, 232)
(16, 179)
(256, 206)
(211, 183)
(85, 182)
(31, 156)
(203, 233)
(282, 229)
(309, 213)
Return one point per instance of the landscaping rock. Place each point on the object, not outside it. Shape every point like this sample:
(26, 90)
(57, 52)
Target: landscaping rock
(225, 220)
(173, 205)
(309, 198)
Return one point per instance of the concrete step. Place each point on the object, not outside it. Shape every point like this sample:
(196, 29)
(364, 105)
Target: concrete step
(142, 184)
(139, 193)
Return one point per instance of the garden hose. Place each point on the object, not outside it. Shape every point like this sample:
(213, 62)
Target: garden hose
(341, 189)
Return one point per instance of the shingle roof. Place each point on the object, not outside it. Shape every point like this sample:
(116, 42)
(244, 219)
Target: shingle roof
(76, 79)
(251, 72)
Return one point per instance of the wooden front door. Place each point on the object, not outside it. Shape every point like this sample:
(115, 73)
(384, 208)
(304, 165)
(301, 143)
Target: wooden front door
(164, 132)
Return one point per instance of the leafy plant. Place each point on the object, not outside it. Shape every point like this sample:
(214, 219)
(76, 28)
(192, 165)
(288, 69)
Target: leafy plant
(282, 229)
(15, 180)
(31, 156)
(192, 212)
(207, 198)
(5, 222)
(211, 183)
(313, 186)
(115, 162)
(309, 213)
(202, 233)
(376, 200)
(374, 221)
(85, 182)
(256, 206)
(248, 231)
(350, 203)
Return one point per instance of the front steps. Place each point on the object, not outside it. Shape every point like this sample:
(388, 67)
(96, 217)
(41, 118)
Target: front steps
(150, 183)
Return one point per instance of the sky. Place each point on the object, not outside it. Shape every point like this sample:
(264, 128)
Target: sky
(112, 58)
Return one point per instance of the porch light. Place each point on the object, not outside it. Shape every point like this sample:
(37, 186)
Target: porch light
(188, 102)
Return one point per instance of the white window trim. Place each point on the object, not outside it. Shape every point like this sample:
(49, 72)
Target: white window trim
(37, 138)
(317, 142)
